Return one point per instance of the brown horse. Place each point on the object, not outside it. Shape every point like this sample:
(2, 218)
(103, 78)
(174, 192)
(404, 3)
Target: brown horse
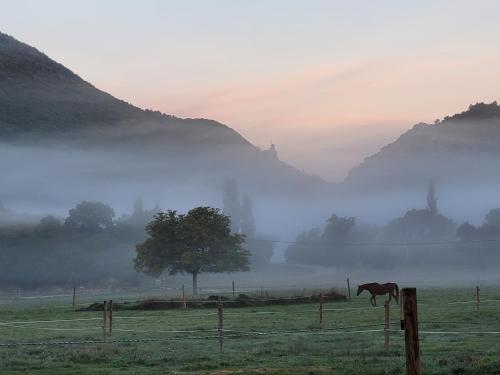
(377, 289)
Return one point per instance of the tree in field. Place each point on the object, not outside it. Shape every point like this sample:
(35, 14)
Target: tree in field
(479, 244)
(337, 232)
(492, 218)
(338, 229)
(261, 248)
(431, 198)
(138, 207)
(306, 249)
(197, 242)
(247, 219)
(467, 232)
(231, 202)
(90, 216)
(420, 225)
(48, 226)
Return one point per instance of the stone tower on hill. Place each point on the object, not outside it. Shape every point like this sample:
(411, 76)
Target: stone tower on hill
(272, 153)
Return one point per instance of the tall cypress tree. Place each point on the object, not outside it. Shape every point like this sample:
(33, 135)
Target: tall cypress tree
(247, 219)
(431, 198)
(232, 206)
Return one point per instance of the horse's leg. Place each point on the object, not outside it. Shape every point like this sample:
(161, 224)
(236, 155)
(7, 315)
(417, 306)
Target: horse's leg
(396, 296)
(374, 303)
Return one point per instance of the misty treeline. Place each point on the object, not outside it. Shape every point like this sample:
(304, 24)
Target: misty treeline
(240, 211)
(88, 247)
(420, 237)
(91, 246)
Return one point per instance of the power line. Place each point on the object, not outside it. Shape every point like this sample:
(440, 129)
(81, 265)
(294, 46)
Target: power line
(381, 244)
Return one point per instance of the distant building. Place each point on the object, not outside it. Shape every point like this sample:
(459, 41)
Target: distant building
(272, 153)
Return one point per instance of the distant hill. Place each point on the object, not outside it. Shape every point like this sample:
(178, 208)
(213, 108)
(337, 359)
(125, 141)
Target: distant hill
(61, 128)
(462, 150)
(41, 97)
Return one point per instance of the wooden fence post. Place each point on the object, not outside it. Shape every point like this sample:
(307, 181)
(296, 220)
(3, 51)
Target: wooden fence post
(104, 324)
(74, 299)
(348, 288)
(220, 313)
(411, 331)
(234, 295)
(386, 324)
(183, 297)
(477, 299)
(321, 308)
(401, 317)
(110, 317)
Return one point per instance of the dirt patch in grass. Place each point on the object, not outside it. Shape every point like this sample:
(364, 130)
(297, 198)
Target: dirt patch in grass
(267, 371)
(242, 300)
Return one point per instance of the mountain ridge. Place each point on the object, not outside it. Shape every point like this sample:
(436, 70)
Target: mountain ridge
(37, 76)
(45, 106)
(447, 149)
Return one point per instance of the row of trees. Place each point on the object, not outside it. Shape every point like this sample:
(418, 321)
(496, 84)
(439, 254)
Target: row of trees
(420, 236)
(91, 246)
(240, 211)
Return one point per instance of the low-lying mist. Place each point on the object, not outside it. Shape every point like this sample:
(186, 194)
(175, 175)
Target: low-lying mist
(359, 225)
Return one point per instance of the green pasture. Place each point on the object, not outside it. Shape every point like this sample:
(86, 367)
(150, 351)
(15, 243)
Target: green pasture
(454, 338)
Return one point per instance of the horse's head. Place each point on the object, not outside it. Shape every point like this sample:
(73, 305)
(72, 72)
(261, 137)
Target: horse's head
(360, 289)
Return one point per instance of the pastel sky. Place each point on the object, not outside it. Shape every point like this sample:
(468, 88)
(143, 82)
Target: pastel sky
(329, 82)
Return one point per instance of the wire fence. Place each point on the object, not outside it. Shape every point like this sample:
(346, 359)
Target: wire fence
(303, 312)
(348, 328)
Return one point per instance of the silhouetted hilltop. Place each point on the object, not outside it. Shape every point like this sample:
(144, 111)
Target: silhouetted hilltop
(44, 104)
(39, 95)
(478, 111)
(462, 148)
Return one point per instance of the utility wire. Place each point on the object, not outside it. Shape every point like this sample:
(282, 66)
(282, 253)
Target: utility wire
(383, 244)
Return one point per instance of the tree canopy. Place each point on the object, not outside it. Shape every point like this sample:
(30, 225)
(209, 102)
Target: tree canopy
(90, 216)
(197, 242)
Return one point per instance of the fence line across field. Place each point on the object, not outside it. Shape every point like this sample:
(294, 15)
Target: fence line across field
(31, 324)
(53, 328)
(49, 321)
(215, 289)
(409, 323)
(191, 315)
(84, 342)
(319, 330)
(230, 291)
(461, 332)
(238, 334)
(145, 340)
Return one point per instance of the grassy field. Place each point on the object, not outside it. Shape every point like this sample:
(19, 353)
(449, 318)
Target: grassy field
(263, 340)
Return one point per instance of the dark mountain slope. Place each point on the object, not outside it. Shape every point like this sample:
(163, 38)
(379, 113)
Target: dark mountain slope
(463, 149)
(40, 96)
(74, 132)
